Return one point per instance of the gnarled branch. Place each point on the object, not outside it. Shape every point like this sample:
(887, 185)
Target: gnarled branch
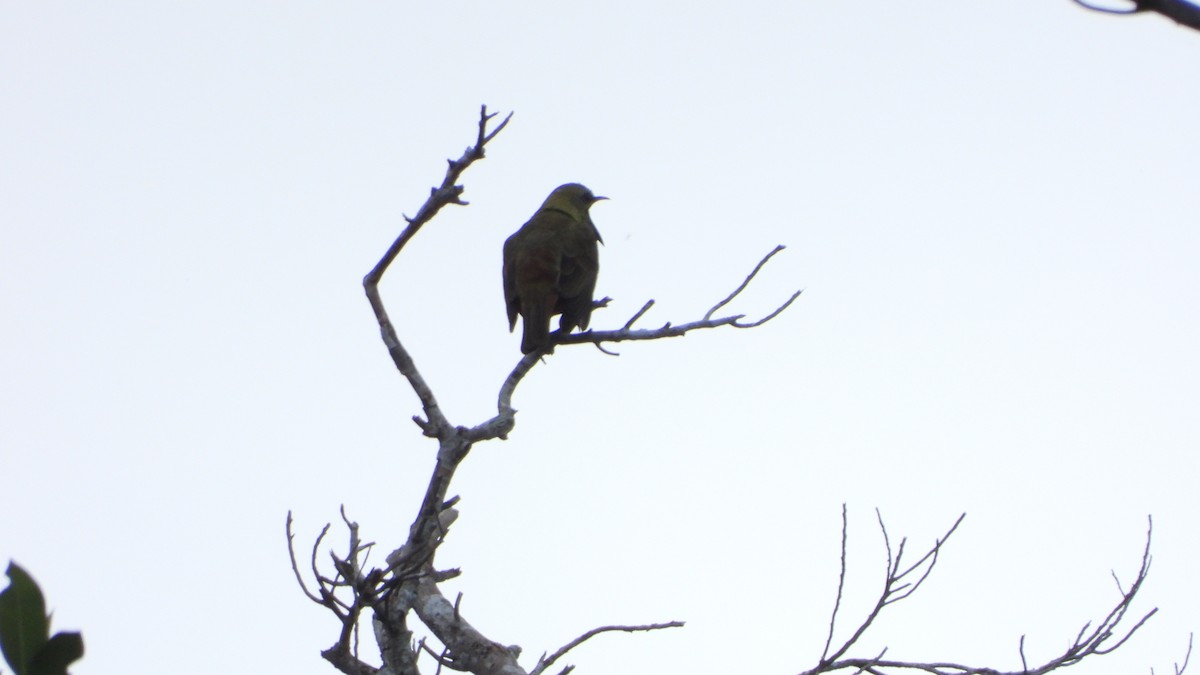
(409, 582)
(449, 192)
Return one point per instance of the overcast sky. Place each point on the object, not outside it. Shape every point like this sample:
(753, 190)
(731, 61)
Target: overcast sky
(991, 206)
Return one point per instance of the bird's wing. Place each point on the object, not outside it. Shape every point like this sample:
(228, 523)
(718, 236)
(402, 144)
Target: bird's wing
(580, 261)
(508, 272)
(532, 259)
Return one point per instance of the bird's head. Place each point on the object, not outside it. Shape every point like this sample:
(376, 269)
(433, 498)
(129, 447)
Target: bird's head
(574, 200)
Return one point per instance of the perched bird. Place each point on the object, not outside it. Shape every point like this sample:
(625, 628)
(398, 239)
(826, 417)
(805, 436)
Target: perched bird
(550, 267)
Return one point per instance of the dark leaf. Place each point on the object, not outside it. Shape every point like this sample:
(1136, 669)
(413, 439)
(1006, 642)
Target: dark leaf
(24, 627)
(53, 658)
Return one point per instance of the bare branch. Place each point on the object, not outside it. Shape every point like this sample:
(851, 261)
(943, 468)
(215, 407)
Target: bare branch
(931, 556)
(544, 662)
(892, 591)
(442, 659)
(312, 563)
(448, 192)
(1182, 12)
(667, 330)
(772, 315)
(505, 419)
(1110, 10)
(295, 567)
(744, 284)
(1186, 657)
(1090, 641)
(645, 308)
(604, 350)
(347, 662)
(837, 603)
(343, 654)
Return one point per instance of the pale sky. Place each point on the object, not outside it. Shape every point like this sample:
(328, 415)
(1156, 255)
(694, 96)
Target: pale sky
(991, 207)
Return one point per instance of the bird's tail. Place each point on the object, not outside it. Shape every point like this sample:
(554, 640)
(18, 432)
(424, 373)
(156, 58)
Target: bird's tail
(536, 319)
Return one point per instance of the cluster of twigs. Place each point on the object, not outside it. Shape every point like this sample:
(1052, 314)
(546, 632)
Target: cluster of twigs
(1103, 638)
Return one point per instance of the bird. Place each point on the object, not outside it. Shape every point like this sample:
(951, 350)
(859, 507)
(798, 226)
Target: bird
(550, 267)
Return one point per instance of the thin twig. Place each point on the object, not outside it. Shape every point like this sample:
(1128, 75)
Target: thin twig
(931, 556)
(1186, 657)
(645, 308)
(1110, 10)
(837, 603)
(772, 315)
(295, 566)
(545, 663)
(443, 659)
(626, 332)
(744, 284)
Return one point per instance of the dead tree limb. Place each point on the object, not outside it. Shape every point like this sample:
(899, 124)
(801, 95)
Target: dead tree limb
(502, 423)
(408, 584)
(449, 192)
(627, 333)
(1104, 637)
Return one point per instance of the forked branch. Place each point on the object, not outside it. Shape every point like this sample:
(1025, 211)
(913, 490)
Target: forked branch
(502, 423)
(896, 587)
(546, 661)
(627, 333)
(1103, 638)
(449, 192)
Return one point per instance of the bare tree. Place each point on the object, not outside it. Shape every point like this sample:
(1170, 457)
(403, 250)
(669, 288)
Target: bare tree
(408, 584)
(1182, 12)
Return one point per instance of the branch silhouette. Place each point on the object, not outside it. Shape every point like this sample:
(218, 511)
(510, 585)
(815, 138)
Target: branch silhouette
(1104, 637)
(1181, 12)
(408, 584)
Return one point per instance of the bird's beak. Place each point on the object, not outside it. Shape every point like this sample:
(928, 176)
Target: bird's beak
(598, 199)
